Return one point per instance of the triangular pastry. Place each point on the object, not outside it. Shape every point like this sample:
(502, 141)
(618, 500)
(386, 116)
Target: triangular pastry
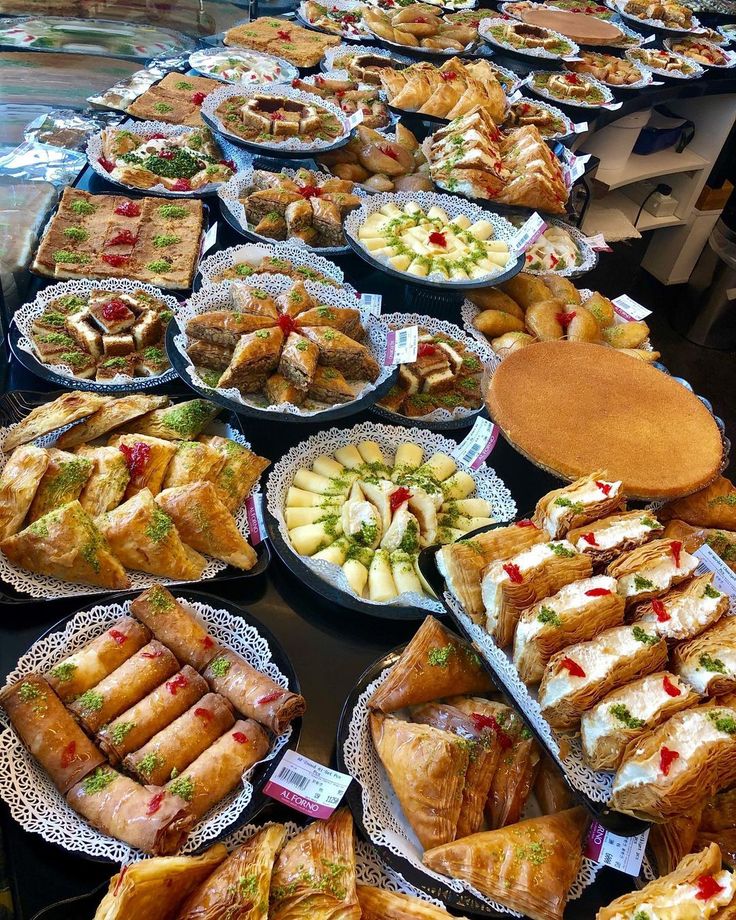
(239, 473)
(181, 422)
(193, 462)
(57, 414)
(147, 460)
(713, 506)
(381, 904)
(63, 481)
(105, 488)
(111, 415)
(18, 483)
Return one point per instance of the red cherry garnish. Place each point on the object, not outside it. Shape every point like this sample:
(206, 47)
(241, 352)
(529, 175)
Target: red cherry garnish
(514, 572)
(572, 667)
(666, 759)
(669, 688)
(155, 803)
(68, 755)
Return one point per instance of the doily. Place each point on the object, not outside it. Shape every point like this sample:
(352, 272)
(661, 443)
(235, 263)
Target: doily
(40, 808)
(388, 437)
(579, 103)
(24, 317)
(641, 57)
(587, 255)
(484, 30)
(331, 61)
(46, 586)
(203, 60)
(217, 297)
(253, 253)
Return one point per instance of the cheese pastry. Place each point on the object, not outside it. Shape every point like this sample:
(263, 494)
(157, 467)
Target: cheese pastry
(708, 662)
(609, 537)
(651, 569)
(147, 460)
(105, 488)
(685, 611)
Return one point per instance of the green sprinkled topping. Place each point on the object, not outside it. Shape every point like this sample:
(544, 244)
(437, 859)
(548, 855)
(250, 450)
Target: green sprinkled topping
(650, 522)
(410, 540)
(161, 240)
(78, 234)
(440, 657)
(63, 672)
(715, 665)
(183, 786)
(710, 591)
(729, 499)
(146, 765)
(367, 534)
(575, 507)
(182, 84)
(723, 722)
(52, 318)
(623, 714)
(188, 419)
(641, 635)
(153, 354)
(80, 206)
(91, 701)
(39, 529)
(163, 107)
(67, 257)
(220, 666)
(263, 334)
(115, 362)
(535, 853)
(641, 915)
(243, 270)
(28, 692)
(55, 338)
(160, 526)
(559, 550)
(159, 599)
(74, 358)
(548, 615)
(159, 265)
(642, 584)
(99, 780)
(302, 346)
(172, 211)
(120, 730)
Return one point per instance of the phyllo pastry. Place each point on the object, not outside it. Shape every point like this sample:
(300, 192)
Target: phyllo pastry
(254, 301)
(380, 904)
(239, 473)
(671, 769)
(652, 569)
(147, 460)
(685, 611)
(175, 626)
(611, 536)
(671, 840)
(111, 415)
(108, 481)
(699, 887)
(298, 361)
(278, 390)
(145, 888)
(436, 663)
(426, 767)
(63, 481)
(49, 731)
(630, 712)
(204, 523)
(716, 822)
(585, 500)
(713, 506)
(182, 422)
(462, 563)
(510, 585)
(223, 328)
(550, 788)
(256, 355)
(338, 350)
(239, 887)
(529, 866)
(71, 407)
(708, 662)
(344, 319)
(330, 386)
(296, 301)
(144, 537)
(314, 875)
(18, 483)
(579, 676)
(193, 461)
(578, 612)
(67, 544)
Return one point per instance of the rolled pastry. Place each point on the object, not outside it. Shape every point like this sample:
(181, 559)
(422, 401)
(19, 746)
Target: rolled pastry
(583, 501)
(685, 611)
(176, 626)
(611, 536)
(651, 569)
(708, 662)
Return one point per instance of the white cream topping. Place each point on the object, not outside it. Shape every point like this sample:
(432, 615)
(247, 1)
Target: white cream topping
(661, 575)
(567, 600)
(688, 615)
(586, 494)
(359, 514)
(665, 906)
(695, 674)
(614, 534)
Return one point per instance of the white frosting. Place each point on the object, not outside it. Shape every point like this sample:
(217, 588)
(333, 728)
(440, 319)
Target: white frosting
(586, 494)
(359, 514)
(567, 600)
(688, 616)
(700, 677)
(614, 534)
(678, 902)
(661, 575)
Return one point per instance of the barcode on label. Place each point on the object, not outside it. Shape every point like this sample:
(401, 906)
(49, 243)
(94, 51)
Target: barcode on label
(724, 578)
(372, 303)
(580, 126)
(293, 778)
(402, 345)
(307, 786)
(628, 308)
(473, 450)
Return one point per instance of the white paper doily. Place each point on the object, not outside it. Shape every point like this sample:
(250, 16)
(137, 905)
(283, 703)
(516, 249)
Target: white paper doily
(383, 818)
(578, 103)
(484, 30)
(254, 253)
(389, 438)
(144, 129)
(24, 317)
(588, 256)
(46, 586)
(482, 351)
(640, 56)
(34, 801)
(217, 297)
(355, 31)
(331, 60)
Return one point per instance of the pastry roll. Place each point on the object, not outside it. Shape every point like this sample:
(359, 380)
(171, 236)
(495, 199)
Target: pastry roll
(144, 537)
(651, 569)
(577, 677)
(314, 875)
(147, 460)
(71, 407)
(611, 536)
(585, 500)
(108, 481)
(673, 839)
(110, 414)
(380, 904)
(239, 887)
(708, 662)
(63, 481)
(578, 612)
(182, 422)
(510, 585)
(671, 769)
(253, 693)
(152, 888)
(713, 506)
(100, 657)
(426, 768)
(436, 663)
(147, 818)
(49, 731)
(529, 866)
(630, 712)
(137, 725)
(177, 627)
(550, 789)
(462, 563)
(128, 684)
(205, 523)
(18, 483)
(699, 887)
(219, 770)
(685, 611)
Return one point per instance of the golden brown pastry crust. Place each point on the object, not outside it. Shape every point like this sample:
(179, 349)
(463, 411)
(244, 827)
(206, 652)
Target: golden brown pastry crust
(713, 506)
(46, 418)
(18, 484)
(111, 415)
(380, 904)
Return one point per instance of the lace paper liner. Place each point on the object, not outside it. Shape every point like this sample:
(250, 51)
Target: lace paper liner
(239, 186)
(654, 23)
(24, 317)
(697, 71)
(383, 818)
(144, 129)
(578, 103)
(452, 205)
(484, 32)
(419, 50)
(557, 113)
(46, 586)
(342, 74)
(647, 77)
(217, 297)
(300, 256)
(483, 352)
(729, 55)
(728, 31)
(293, 144)
(588, 256)
(388, 437)
(333, 54)
(35, 803)
(355, 31)
(200, 60)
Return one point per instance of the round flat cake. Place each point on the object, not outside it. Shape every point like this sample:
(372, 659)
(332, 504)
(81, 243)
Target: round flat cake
(581, 28)
(573, 407)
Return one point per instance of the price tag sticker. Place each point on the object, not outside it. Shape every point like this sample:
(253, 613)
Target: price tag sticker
(371, 303)
(209, 239)
(580, 127)
(612, 106)
(657, 83)
(648, 40)
(527, 234)
(476, 446)
(598, 243)
(724, 579)
(628, 309)
(515, 96)
(402, 346)
(622, 853)
(306, 786)
(575, 168)
(254, 513)
(356, 118)
(571, 58)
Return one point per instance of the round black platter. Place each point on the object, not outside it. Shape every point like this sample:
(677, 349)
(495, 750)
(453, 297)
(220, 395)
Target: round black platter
(275, 152)
(453, 424)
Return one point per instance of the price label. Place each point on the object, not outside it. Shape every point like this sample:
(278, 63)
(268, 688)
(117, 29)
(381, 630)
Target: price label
(612, 106)
(527, 234)
(575, 168)
(598, 243)
(648, 40)
(476, 446)
(723, 578)
(515, 96)
(371, 303)
(580, 127)
(306, 786)
(402, 346)
(628, 309)
(572, 58)
(209, 239)
(356, 118)
(657, 83)
(254, 513)
(622, 853)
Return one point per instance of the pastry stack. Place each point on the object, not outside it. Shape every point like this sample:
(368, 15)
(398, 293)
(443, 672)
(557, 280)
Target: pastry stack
(419, 25)
(302, 47)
